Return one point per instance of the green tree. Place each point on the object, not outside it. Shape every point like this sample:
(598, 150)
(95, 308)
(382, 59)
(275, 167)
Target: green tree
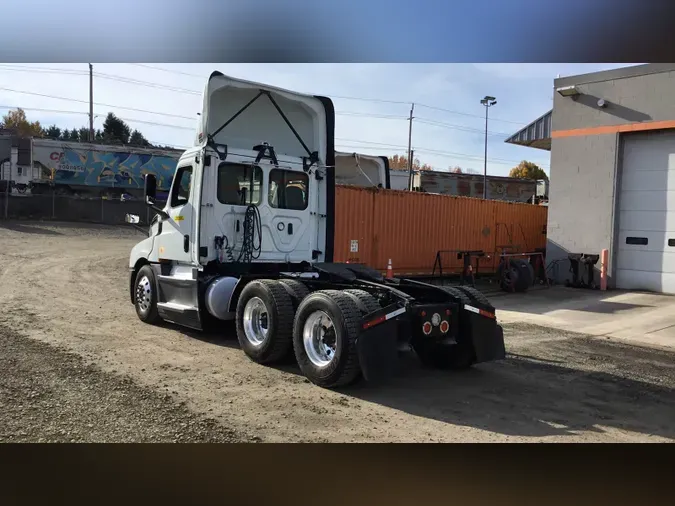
(83, 134)
(53, 132)
(528, 170)
(115, 130)
(138, 139)
(17, 120)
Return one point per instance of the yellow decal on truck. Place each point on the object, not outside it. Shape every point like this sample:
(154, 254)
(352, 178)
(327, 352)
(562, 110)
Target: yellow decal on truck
(179, 218)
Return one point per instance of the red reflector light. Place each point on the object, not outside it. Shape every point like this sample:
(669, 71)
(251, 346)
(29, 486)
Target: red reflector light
(426, 328)
(486, 313)
(374, 322)
(423, 313)
(447, 312)
(445, 326)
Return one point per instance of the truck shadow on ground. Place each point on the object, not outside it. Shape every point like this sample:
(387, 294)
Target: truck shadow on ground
(527, 396)
(578, 385)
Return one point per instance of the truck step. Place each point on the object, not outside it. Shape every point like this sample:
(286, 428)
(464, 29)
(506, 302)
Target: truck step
(173, 306)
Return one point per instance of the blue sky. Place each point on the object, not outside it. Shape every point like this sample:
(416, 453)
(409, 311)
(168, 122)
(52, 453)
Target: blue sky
(447, 131)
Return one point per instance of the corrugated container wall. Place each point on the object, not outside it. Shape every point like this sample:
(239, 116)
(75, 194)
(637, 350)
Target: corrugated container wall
(373, 226)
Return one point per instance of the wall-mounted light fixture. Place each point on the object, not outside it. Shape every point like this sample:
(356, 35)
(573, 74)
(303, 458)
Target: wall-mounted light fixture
(568, 91)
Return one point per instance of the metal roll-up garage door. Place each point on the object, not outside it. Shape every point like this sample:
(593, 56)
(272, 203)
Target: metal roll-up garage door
(646, 244)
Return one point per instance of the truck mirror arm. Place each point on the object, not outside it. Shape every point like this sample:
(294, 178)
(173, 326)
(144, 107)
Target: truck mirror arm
(161, 212)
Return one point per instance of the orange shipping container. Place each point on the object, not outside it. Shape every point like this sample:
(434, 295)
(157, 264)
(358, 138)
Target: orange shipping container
(375, 225)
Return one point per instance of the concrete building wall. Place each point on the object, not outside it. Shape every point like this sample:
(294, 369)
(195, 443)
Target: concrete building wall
(585, 156)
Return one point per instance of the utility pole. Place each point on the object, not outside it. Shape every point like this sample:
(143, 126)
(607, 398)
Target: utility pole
(410, 155)
(488, 102)
(412, 176)
(91, 103)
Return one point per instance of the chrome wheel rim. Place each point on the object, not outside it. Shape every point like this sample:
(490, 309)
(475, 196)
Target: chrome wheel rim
(144, 294)
(256, 321)
(319, 339)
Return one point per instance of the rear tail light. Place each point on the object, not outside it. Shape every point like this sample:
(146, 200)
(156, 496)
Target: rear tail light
(426, 328)
(444, 327)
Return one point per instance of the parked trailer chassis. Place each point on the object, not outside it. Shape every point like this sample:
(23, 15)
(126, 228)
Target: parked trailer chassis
(372, 320)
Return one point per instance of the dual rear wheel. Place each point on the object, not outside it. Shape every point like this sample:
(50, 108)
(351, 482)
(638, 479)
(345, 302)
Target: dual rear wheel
(277, 318)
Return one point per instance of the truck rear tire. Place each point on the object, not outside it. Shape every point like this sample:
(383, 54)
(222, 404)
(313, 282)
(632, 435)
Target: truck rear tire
(458, 294)
(324, 338)
(296, 289)
(145, 296)
(366, 303)
(264, 321)
(475, 295)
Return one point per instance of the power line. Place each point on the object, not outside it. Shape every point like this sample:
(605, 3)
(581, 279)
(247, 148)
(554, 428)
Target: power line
(42, 70)
(138, 82)
(363, 99)
(129, 120)
(58, 111)
(341, 113)
(165, 70)
(97, 103)
(477, 157)
(467, 114)
(369, 115)
(147, 84)
(459, 127)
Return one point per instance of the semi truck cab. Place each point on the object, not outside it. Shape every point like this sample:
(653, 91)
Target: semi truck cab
(247, 235)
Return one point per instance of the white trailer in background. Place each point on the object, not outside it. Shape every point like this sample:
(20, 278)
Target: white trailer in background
(398, 179)
(361, 170)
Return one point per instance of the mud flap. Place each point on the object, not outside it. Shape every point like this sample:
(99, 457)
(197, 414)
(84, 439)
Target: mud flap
(377, 348)
(487, 337)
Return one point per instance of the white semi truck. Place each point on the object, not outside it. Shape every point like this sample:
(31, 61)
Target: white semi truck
(247, 235)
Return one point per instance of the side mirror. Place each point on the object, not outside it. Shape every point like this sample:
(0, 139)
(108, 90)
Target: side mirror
(132, 218)
(150, 189)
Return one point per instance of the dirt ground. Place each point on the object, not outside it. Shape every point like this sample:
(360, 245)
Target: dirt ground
(78, 365)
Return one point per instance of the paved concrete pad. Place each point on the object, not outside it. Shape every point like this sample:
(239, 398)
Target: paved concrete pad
(635, 317)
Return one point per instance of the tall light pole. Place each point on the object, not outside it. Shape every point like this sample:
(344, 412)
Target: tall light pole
(488, 102)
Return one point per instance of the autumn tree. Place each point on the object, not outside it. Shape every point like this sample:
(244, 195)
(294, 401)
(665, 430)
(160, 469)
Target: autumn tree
(400, 162)
(456, 170)
(115, 131)
(16, 120)
(528, 170)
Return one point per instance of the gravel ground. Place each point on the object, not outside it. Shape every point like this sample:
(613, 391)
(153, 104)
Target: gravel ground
(48, 395)
(96, 373)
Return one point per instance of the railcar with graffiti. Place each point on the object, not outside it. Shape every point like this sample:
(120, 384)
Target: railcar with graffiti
(81, 168)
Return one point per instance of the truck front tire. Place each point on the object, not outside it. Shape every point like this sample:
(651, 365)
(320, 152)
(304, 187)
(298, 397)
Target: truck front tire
(145, 295)
(265, 321)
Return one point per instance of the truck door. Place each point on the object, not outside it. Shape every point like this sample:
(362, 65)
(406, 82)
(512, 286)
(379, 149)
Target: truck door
(175, 241)
(291, 224)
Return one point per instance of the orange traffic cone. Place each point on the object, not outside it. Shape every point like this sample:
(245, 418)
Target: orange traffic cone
(390, 271)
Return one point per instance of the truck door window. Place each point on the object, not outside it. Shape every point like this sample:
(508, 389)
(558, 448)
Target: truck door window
(288, 189)
(180, 192)
(239, 184)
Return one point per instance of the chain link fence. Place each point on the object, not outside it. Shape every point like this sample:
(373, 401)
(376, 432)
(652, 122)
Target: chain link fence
(51, 206)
